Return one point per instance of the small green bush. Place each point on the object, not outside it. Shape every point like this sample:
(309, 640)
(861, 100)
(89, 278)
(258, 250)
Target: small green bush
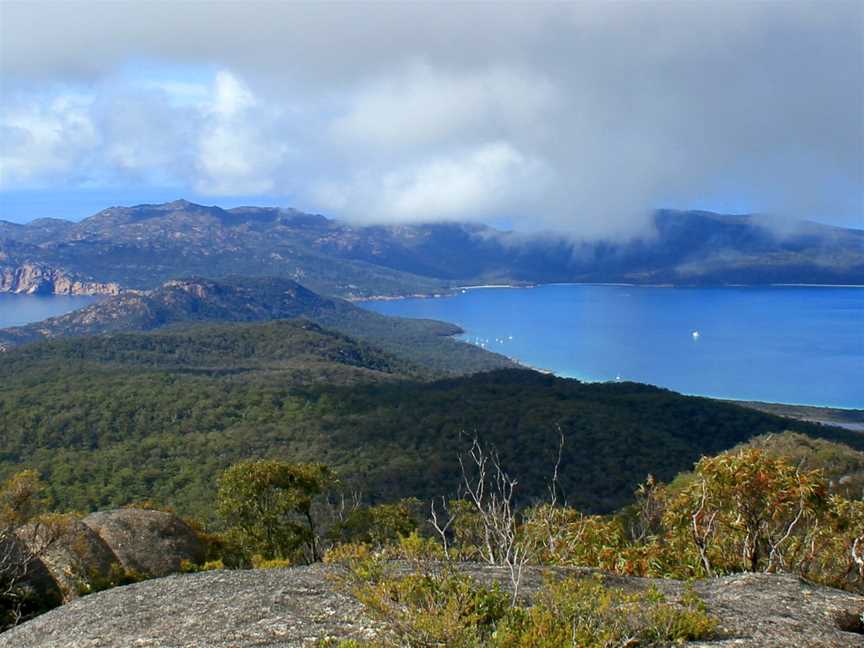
(116, 576)
(585, 613)
(446, 609)
(451, 609)
(259, 562)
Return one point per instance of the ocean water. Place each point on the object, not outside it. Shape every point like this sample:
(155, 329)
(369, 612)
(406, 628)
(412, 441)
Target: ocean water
(801, 345)
(16, 310)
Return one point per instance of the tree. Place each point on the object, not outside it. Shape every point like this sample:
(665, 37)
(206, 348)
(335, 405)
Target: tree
(379, 525)
(268, 506)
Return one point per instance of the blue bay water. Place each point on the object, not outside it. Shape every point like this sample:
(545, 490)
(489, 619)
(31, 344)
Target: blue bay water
(16, 310)
(779, 344)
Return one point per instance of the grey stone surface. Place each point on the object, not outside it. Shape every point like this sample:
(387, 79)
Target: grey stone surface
(284, 607)
(76, 559)
(297, 607)
(768, 610)
(152, 543)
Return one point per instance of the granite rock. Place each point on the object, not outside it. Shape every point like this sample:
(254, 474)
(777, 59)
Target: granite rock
(300, 606)
(151, 543)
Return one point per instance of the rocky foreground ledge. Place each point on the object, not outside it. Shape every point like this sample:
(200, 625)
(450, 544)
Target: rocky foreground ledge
(299, 606)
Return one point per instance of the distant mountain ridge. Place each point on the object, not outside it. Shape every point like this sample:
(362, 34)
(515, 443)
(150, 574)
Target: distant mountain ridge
(141, 247)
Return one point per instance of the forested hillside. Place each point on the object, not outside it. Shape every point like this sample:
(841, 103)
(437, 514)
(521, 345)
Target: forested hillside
(113, 420)
(240, 299)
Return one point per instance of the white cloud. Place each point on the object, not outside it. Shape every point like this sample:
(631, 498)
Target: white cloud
(144, 136)
(221, 143)
(231, 97)
(582, 116)
(180, 93)
(484, 182)
(423, 106)
(46, 138)
(236, 153)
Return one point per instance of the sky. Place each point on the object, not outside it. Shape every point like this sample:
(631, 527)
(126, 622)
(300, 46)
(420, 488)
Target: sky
(581, 117)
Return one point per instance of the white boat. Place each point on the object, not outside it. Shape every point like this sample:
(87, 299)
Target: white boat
(695, 335)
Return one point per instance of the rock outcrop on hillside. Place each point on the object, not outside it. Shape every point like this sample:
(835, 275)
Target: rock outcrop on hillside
(39, 279)
(299, 606)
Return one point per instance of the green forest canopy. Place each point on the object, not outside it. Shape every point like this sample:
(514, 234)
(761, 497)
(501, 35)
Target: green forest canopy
(132, 417)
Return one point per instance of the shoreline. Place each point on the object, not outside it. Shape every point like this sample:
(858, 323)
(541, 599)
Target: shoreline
(485, 286)
(800, 285)
(855, 412)
(742, 401)
(850, 418)
(454, 291)
(354, 299)
(817, 413)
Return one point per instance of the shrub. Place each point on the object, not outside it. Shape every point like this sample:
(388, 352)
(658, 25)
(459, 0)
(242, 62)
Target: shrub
(444, 609)
(259, 562)
(116, 576)
(348, 554)
(585, 613)
(27, 532)
(381, 524)
(188, 567)
(225, 548)
(742, 512)
(450, 609)
(415, 547)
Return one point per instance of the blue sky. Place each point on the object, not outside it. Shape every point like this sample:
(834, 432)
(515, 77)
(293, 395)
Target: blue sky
(579, 117)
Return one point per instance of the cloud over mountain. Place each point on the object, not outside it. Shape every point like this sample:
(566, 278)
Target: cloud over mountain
(582, 117)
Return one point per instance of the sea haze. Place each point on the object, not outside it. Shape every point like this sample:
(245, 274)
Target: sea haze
(16, 310)
(781, 344)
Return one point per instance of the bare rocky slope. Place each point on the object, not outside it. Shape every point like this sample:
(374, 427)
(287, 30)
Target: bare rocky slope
(35, 279)
(300, 606)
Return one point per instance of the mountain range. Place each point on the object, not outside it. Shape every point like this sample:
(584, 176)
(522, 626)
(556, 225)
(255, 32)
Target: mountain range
(141, 247)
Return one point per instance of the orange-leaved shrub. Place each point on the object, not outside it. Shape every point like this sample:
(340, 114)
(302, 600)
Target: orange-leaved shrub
(741, 511)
